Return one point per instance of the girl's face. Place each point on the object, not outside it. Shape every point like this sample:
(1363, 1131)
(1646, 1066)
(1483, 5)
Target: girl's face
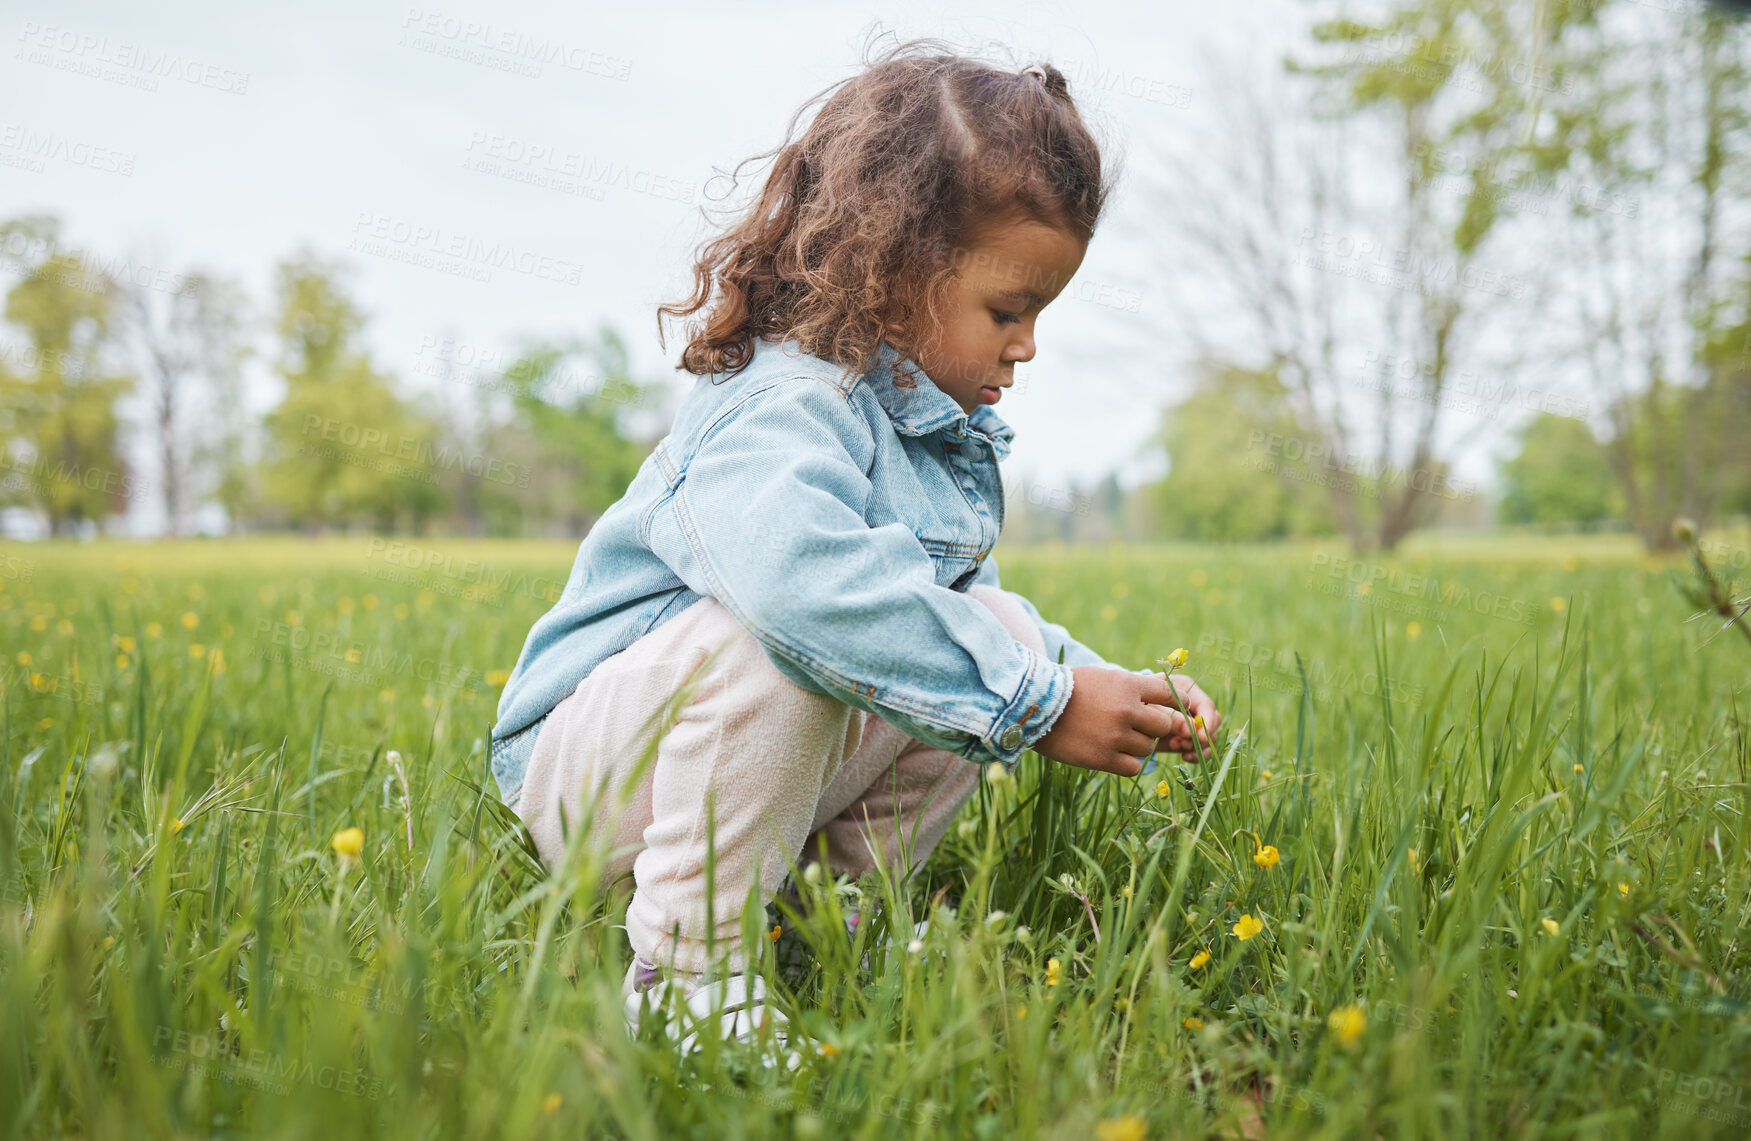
(1016, 268)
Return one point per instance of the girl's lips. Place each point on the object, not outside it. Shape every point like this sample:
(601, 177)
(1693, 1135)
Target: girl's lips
(990, 395)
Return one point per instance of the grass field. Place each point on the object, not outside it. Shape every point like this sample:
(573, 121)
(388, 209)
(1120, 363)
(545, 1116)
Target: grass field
(1506, 782)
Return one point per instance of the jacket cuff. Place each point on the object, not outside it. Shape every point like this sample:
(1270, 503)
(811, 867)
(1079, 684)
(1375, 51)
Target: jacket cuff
(1044, 693)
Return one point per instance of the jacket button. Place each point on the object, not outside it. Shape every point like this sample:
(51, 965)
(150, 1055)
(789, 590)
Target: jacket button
(973, 452)
(1010, 739)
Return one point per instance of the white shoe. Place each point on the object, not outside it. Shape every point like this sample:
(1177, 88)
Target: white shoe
(737, 1003)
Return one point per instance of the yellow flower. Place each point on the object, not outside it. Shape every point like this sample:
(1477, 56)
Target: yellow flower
(345, 606)
(190, 620)
(24, 657)
(496, 678)
(551, 1104)
(777, 930)
(1162, 788)
(1054, 972)
(153, 630)
(121, 661)
(1130, 1127)
(1198, 721)
(1347, 1022)
(1416, 860)
(218, 659)
(175, 826)
(1623, 890)
(294, 617)
(1266, 857)
(1412, 629)
(1177, 658)
(126, 644)
(45, 723)
(64, 628)
(1020, 1012)
(39, 623)
(1559, 605)
(348, 843)
(196, 650)
(1192, 1023)
(352, 655)
(1127, 891)
(1109, 613)
(1199, 959)
(1551, 926)
(1266, 774)
(369, 601)
(828, 1050)
(1247, 928)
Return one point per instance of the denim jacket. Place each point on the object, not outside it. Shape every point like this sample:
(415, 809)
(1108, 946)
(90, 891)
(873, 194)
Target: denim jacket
(841, 522)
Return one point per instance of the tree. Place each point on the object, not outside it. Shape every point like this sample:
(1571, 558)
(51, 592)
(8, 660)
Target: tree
(342, 447)
(569, 405)
(193, 341)
(1315, 230)
(1231, 480)
(1654, 151)
(60, 436)
(1559, 475)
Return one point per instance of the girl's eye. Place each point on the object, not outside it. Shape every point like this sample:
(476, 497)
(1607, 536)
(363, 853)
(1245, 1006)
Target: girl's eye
(1005, 318)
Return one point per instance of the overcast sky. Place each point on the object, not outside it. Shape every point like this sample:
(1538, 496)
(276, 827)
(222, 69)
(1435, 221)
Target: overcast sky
(191, 135)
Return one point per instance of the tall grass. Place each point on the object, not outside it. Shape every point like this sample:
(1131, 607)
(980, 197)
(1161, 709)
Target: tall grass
(1512, 896)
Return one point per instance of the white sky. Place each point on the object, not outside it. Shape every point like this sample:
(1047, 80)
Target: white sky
(341, 119)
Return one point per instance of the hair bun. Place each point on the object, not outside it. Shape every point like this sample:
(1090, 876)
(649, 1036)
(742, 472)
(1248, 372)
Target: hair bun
(1050, 78)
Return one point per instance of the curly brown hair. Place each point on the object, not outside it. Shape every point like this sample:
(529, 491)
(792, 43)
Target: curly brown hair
(853, 238)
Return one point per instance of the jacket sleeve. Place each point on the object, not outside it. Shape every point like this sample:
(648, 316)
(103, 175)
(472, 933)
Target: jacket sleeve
(769, 518)
(1056, 637)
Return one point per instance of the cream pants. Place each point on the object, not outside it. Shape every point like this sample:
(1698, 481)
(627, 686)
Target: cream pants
(787, 768)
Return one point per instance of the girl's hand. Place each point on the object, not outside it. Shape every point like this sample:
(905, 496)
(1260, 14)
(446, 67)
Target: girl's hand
(1114, 719)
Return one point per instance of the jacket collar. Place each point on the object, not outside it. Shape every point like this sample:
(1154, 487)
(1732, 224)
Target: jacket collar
(917, 407)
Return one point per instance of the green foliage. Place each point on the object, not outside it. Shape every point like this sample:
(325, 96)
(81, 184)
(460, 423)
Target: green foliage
(183, 953)
(1560, 475)
(60, 448)
(342, 446)
(1227, 481)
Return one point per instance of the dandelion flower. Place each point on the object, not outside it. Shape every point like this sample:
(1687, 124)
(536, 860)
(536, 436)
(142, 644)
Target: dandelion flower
(1054, 972)
(348, 843)
(777, 930)
(1247, 927)
(1198, 721)
(1266, 857)
(1347, 1022)
(196, 650)
(1162, 788)
(1131, 1127)
(190, 620)
(1579, 769)
(154, 630)
(551, 1104)
(828, 1050)
(1199, 959)
(1551, 927)
(1266, 774)
(1623, 890)
(1193, 1023)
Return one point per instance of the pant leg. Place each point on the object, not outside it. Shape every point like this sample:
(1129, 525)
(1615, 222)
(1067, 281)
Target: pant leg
(896, 796)
(762, 744)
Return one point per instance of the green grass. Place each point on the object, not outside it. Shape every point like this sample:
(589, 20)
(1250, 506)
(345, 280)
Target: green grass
(1494, 736)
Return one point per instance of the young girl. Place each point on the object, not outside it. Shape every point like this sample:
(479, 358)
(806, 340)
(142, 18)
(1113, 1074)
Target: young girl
(811, 542)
